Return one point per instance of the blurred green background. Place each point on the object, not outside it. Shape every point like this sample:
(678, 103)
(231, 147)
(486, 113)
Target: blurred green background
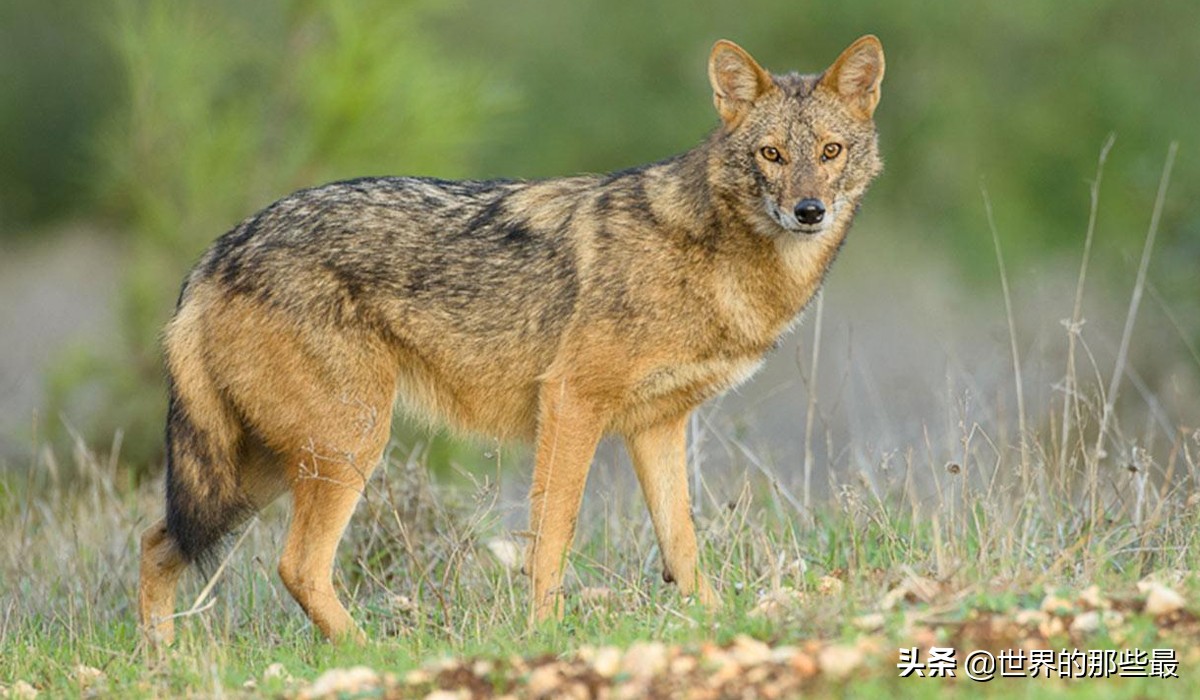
(150, 128)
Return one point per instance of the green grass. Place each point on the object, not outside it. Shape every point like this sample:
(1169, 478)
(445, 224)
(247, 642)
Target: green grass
(419, 577)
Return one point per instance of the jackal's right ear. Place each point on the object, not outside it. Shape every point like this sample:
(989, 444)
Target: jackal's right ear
(737, 81)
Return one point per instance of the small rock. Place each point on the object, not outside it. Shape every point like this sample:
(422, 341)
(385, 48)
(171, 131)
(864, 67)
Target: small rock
(1161, 600)
(1029, 618)
(1055, 605)
(830, 585)
(756, 675)
(417, 676)
(645, 659)
(607, 661)
(517, 663)
(631, 690)
(442, 663)
(682, 665)
(21, 690)
(277, 671)
(1086, 622)
(839, 661)
(338, 681)
(1091, 597)
(544, 681)
(507, 552)
(869, 622)
(1052, 626)
(401, 603)
(87, 676)
(777, 603)
(804, 664)
(748, 651)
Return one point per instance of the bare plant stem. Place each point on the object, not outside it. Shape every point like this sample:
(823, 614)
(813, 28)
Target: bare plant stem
(1012, 336)
(1114, 384)
(1070, 383)
(809, 419)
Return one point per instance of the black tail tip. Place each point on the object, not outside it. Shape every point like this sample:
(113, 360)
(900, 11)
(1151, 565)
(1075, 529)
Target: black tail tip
(199, 529)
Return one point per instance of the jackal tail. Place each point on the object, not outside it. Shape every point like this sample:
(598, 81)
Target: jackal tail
(204, 434)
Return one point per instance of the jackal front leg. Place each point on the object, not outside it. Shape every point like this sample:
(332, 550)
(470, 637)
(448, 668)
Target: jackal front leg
(660, 459)
(568, 431)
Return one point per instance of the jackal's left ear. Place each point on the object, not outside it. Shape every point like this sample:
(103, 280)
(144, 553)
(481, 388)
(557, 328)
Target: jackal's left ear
(857, 73)
(737, 81)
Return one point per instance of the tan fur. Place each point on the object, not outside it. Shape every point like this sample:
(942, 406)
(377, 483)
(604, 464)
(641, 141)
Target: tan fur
(555, 311)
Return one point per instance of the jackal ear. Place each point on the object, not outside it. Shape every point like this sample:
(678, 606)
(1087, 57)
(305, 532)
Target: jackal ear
(737, 81)
(857, 73)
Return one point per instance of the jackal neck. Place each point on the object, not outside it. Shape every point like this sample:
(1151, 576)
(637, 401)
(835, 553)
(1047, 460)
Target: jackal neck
(761, 276)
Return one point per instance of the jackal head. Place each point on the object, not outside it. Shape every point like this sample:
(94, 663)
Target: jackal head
(797, 151)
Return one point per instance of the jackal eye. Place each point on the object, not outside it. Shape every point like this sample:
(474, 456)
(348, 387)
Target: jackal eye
(770, 153)
(831, 151)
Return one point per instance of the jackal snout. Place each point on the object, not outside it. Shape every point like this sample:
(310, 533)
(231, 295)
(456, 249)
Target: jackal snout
(807, 217)
(810, 211)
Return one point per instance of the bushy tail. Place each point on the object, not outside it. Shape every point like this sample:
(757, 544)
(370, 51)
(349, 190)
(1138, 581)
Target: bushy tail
(204, 498)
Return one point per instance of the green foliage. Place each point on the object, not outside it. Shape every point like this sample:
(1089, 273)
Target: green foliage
(56, 83)
(231, 105)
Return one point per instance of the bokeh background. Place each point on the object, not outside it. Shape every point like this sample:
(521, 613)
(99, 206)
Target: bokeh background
(134, 133)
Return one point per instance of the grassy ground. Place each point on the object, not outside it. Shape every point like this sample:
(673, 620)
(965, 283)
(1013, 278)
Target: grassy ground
(429, 577)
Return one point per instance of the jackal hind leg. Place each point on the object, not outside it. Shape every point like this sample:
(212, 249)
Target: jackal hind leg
(325, 492)
(158, 576)
(660, 459)
(263, 479)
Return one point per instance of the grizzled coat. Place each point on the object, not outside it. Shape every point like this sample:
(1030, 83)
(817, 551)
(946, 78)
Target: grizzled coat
(554, 311)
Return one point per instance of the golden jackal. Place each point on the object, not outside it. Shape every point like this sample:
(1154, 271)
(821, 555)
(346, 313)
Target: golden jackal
(555, 311)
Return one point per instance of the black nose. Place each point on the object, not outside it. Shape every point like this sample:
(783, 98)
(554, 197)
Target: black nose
(810, 211)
